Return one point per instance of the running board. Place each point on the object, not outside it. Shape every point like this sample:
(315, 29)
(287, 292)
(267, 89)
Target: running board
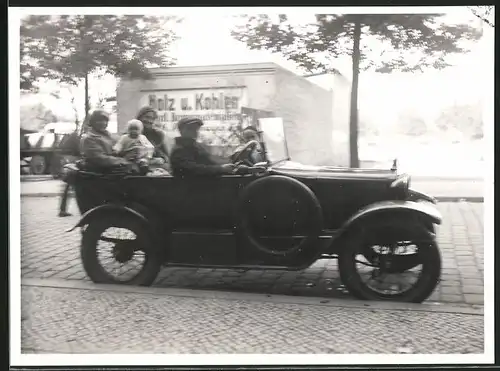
(235, 267)
(229, 232)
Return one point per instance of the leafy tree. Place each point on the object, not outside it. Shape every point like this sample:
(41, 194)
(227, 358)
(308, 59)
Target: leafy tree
(408, 42)
(484, 13)
(68, 48)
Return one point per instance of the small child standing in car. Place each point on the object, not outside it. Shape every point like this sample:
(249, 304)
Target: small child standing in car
(134, 146)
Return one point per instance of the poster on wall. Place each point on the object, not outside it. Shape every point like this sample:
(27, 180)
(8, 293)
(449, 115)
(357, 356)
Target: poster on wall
(219, 108)
(251, 116)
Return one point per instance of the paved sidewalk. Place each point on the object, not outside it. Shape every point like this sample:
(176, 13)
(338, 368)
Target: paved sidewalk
(86, 319)
(48, 252)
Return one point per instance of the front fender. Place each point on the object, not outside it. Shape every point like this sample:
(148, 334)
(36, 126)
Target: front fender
(383, 209)
(99, 210)
(423, 210)
(419, 196)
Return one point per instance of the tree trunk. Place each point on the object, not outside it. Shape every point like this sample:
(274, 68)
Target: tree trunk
(87, 103)
(85, 26)
(353, 123)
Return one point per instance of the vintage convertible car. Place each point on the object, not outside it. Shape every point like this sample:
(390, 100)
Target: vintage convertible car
(281, 215)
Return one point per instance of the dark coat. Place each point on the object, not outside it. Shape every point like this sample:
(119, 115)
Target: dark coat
(97, 150)
(189, 158)
(157, 139)
(70, 144)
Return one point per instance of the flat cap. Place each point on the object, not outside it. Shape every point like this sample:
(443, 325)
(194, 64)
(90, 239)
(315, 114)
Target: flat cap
(189, 121)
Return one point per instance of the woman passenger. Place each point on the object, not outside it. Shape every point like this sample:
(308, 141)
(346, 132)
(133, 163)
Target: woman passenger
(147, 115)
(97, 145)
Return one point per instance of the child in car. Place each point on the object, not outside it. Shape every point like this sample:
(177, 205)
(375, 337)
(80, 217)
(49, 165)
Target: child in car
(134, 146)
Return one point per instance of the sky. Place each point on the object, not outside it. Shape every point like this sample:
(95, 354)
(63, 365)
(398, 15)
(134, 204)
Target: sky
(206, 40)
(378, 92)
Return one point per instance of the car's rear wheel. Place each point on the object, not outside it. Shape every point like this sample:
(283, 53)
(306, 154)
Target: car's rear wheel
(110, 246)
(392, 259)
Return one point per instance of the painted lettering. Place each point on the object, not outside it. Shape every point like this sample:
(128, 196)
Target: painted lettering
(152, 101)
(208, 103)
(229, 102)
(198, 101)
(211, 101)
(215, 102)
(161, 105)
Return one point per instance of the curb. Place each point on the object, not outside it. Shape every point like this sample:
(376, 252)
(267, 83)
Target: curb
(431, 178)
(44, 195)
(460, 199)
(36, 178)
(477, 310)
(439, 199)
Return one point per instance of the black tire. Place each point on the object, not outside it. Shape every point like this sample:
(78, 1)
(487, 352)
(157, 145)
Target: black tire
(91, 235)
(427, 247)
(38, 165)
(262, 186)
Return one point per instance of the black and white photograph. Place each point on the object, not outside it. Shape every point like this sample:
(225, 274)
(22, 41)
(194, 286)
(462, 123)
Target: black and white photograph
(245, 186)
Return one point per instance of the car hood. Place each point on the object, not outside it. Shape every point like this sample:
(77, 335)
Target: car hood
(301, 170)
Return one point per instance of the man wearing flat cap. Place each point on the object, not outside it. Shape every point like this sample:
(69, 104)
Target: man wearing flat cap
(189, 158)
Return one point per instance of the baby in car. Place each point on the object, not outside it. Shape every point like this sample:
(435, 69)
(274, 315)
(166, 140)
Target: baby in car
(134, 146)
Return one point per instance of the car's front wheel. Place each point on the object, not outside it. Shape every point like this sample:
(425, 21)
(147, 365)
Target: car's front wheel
(391, 259)
(119, 250)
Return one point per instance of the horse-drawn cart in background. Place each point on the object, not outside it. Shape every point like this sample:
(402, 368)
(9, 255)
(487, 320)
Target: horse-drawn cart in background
(46, 152)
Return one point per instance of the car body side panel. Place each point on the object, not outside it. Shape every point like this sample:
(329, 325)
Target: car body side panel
(202, 202)
(343, 194)
(210, 202)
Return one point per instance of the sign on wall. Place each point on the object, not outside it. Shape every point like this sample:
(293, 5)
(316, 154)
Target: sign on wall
(218, 108)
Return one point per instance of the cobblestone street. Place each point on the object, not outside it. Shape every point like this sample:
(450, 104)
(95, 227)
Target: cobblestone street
(83, 319)
(49, 252)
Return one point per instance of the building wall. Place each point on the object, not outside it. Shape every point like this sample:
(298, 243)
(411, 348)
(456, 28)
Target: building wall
(256, 79)
(341, 115)
(307, 114)
(305, 107)
(340, 87)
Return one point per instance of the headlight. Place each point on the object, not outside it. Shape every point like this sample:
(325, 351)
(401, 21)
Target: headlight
(402, 182)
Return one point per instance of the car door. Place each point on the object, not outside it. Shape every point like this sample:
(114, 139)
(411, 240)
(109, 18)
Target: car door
(207, 202)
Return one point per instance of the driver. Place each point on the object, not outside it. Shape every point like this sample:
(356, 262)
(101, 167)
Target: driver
(189, 158)
(254, 152)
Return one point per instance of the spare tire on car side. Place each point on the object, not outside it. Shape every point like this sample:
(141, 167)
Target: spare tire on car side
(267, 191)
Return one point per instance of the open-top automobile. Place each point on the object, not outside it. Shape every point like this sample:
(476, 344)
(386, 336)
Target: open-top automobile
(279, 215)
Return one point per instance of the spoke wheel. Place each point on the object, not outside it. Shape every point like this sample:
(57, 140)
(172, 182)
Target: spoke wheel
(118, 249)
(390, 270)
(404, 266)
